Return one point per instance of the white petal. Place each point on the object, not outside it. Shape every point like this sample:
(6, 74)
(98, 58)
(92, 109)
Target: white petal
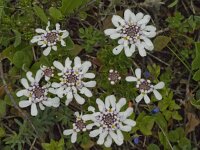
(138, 73)
(34, 110)
(86, 91)
(131, 79)
(89, 75)
(117, 21)
(144, 20)
(149, 34)
(22, 92)
(100, 104)
(36, 39)
(74, 137)
(39, 75)
(65, 34)
(128, 112)
(139, 98)
(85, 66)
(55, 102)
(24, 82)
(47, 51)
(110, 31)
(30, 77)
(157, 95)
(58, 65)
(67, 101)
(47, 103)
(94, 133)
(68, 63)
(112, 100)
(26, 103)
(148, 47)
(139, 16)
(146, 99)
(108, 141)
(40, 31)
(77, 61)
(117, 141)
(120, 104)
(87, 117)
(107, 102)
(132, 48)
(129, 122)
(127, 15)
(89, 84)
(126, 128)
(118, 49)
(120, 135)
(141, 50)
(102, 137)
(54, 48)
(79, 99)
(63, 43)
(57, 26)
(128, 52)
(160, 85)
(69, 95)
(41, 106)
(150, 28)
(121, 41)
(115, 35)
(68, 132)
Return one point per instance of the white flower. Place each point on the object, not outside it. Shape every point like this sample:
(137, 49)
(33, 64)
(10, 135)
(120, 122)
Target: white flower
(78, 126)
(49, 38)
(145, 87)
(133, 32)
(48, 72)
(110, 121)
(71, 80)
(36, 93)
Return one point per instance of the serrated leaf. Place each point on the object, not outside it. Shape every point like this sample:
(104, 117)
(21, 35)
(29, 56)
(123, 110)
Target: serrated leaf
(160, 42)
(40, 13)
(146, 125)
(7, 53)
(17, 38)
(55, 13)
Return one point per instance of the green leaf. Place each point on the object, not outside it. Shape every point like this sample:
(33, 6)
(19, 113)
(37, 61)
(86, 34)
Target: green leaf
(153, 147)
(68, 6)
(40, 13)
(195, 103)
(173, 4)
(2, 132)
(2, 108)
(1, 8)
(17, 38)
(55, 13)
(160, 42)
(176, 116)
(146, 125)
(195, 62)
(54, 145)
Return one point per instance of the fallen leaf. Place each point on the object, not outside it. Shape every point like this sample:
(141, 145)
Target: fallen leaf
(193, 122)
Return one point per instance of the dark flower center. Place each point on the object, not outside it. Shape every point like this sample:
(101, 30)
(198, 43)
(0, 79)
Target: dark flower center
(80, 124)
(38, 92)
(109, 120)
(48, 72)
(72, 78)
(132, 31)
(145, 86)
(114, 76)
(51, 37)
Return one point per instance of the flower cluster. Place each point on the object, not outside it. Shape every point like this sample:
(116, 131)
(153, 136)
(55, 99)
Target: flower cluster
(72, 80)
(109, 122)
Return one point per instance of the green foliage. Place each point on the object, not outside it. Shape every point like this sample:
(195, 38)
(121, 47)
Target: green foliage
(68, 6)
(55, 13)
(54, 145)
(160, 42)
(153, 147)
(40, 13)
(91, 37)
(195, 63)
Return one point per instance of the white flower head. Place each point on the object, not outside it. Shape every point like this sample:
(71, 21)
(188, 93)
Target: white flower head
(113, 76)
(78, 126)
(71, 80)
(36, 93)
(48, 72)
(49, 38)
(145, 87)
(133, 32)
(110, 121)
